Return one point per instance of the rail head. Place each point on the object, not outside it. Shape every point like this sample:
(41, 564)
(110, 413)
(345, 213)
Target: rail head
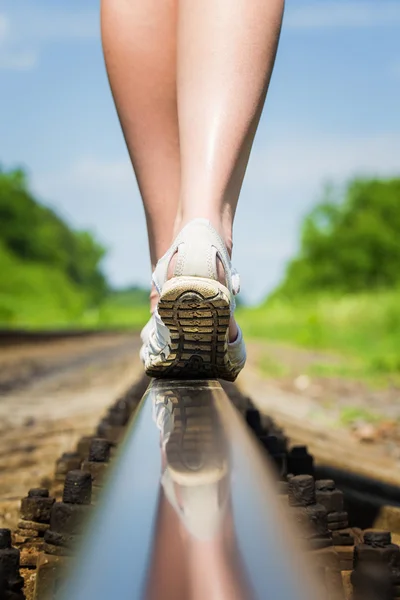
(189, 511)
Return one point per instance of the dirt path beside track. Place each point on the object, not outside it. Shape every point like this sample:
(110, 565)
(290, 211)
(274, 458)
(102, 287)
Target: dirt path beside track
(310, 416)
(70, 385)
(54, 392)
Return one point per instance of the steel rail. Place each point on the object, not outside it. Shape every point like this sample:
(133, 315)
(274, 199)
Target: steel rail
(189, 510)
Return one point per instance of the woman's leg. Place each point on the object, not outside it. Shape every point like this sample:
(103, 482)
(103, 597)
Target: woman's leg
(139, 40)
(226, 53)
(212, 81)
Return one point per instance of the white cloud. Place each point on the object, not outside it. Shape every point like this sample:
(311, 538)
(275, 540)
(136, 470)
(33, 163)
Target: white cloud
(19, 60)
(4, 27)
(24, 33)
(351, 13)
(302, 159)
(102, 196)
(92, 192)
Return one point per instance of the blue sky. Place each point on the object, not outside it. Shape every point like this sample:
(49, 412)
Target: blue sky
(333, 111)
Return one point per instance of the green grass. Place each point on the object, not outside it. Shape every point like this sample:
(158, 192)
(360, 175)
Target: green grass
(349, 368)
(363, 329)
(38, 296)
(271, 367)
(352, 414)
(111, 314)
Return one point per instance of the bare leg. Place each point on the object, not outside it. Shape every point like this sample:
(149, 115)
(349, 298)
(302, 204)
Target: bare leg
(139, 40)
(226, 52)
(206, 64)
(179, 562)
(168, 576)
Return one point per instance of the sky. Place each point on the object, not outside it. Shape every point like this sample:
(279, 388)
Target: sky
(332, 112)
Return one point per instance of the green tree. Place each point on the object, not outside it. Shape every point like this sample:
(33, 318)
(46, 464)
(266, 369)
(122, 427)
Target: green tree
(351, 244)
(35, 233)
(84, 262)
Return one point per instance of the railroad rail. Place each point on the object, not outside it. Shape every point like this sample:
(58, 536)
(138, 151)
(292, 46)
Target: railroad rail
(176, 499)
(188, 471)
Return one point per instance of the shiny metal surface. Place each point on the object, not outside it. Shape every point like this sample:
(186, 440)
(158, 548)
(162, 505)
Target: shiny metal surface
(189, 511)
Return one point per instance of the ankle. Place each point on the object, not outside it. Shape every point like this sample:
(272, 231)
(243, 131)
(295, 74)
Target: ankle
(224, 230)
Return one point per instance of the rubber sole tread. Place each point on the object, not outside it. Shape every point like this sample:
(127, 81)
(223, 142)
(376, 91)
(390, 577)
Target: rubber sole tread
(196, 312)
(195, 450)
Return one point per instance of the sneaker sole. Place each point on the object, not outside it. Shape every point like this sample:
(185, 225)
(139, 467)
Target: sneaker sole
(196, 451)
(196, 311)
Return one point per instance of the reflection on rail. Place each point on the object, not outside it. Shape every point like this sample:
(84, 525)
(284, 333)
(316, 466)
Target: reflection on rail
(189, 511)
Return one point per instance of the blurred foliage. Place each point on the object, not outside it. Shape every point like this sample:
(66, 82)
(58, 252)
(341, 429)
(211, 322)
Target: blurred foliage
(350, 415)
(119, 310)
(130, 296)
(36, 234)
(349, 245)
(51, 274)
(362, 328)
(342, 291)
(36, 294)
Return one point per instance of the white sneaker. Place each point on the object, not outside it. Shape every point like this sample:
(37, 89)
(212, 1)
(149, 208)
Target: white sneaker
(187, 337)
